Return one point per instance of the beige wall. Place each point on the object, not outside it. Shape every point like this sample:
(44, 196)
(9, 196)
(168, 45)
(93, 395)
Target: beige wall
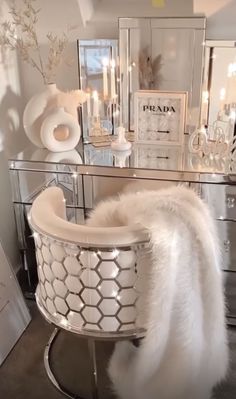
(220, 18)
(11, 137)
(103, 24)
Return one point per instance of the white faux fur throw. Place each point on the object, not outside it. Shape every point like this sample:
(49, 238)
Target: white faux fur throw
(185, 352)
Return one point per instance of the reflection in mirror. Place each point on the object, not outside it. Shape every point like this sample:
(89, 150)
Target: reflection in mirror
(164, 54)
(96, 58)
(218, 111)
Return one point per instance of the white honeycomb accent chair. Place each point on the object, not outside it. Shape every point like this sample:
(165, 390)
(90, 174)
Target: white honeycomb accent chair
(90, 278)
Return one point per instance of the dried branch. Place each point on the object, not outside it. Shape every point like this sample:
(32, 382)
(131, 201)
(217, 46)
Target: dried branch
(20, 34)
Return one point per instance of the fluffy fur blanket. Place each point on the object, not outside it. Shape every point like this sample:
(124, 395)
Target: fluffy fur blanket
(185, 352)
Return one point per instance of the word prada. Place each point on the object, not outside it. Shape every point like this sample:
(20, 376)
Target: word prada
(159, 108)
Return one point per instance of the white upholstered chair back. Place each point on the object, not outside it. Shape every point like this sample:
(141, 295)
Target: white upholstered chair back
(91, 279)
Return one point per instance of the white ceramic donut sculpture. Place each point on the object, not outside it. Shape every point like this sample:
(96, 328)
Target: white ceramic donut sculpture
(70, 157)
(57, 118)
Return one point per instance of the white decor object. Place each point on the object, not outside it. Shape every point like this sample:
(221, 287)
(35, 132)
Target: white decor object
(42, 106)
(120, 144)
(35, 112)
(200, 143)
(68, 138)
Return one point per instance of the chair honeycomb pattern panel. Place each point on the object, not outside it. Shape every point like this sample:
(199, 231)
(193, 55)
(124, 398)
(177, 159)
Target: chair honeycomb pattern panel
(89, 289)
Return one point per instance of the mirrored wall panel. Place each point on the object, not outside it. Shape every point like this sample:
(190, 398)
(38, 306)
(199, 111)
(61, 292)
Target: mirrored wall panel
(96, 59)
(219, 88)
(161, 54)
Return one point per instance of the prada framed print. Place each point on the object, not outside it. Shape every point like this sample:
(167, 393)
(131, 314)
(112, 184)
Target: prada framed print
(160, 117)
(163, 157)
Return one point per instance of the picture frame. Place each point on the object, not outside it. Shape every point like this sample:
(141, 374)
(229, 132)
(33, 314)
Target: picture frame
(160, 117)
(162, 157)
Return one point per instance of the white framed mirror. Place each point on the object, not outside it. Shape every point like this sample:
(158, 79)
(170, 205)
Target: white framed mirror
(164, 54)
(219, 87)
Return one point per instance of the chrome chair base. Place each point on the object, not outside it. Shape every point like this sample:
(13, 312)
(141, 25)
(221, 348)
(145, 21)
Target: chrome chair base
(51, 375)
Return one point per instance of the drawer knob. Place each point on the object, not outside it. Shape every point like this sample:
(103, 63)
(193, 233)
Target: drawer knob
(227, 245)
(230, 202)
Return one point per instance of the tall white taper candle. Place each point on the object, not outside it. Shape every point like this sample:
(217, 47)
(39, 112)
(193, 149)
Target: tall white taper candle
(113, 81)
(105, 78)
(88, 103)
(95, 104)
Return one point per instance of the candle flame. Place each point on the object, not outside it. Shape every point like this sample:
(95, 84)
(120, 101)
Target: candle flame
(105, 62)
(232, 69)
(222, 93)
(232, 115)
(95, 95)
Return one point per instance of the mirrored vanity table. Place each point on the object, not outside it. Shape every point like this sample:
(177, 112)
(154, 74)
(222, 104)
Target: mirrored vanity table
(164, 55)
(89, 174)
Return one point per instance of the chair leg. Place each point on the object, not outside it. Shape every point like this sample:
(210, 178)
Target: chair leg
(93, 368)
(51, 375)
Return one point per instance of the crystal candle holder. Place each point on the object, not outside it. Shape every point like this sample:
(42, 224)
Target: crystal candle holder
(96, 128)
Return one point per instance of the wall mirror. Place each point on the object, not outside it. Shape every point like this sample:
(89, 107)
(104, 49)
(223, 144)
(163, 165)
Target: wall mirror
(218, 111)
(93, 55)
(164, 54)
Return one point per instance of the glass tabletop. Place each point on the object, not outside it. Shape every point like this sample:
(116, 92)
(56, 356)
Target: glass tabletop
(142, 160)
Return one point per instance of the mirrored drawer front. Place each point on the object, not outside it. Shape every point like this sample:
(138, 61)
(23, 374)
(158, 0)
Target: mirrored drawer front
(227, 235)
(98, 188)
(230, 285)
(221, 199)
